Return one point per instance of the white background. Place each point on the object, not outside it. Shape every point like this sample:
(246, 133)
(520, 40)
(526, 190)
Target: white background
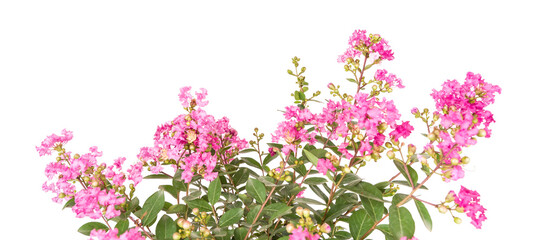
(110, 71)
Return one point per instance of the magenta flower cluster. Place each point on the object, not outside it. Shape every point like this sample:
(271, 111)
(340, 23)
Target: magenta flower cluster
(372, 46)
(301, 233)
(130, 234)
(192, 141)
(469, 200)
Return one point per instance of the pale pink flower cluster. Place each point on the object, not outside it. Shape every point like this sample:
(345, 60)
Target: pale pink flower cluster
(461, 108)
(469, 200)
(188, 139)
(391, 79)
(301, 233)
(51, 141)
(130, 234)
(63, 174)
(359, 39)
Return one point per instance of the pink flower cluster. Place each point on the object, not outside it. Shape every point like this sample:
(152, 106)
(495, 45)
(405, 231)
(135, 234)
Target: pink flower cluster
(53, 140)
(292, 131)
(469, 200)
(96, 180)
(366, 117)
(89, 203)
(301, 233)
(195, 142)
(324, 165)
(391, 79)
(360, 44)
(131, 234)
(461, 108)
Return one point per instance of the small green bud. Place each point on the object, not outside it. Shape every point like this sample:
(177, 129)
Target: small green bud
(299, 211)
(289, 228)
(482, 133)
(457, 220)
(454, 161)
(195, 211)
(460, 209)
(328, 155)
(176, 236)
(306, 212)
(346, 170)
(288, 179)
(465, 160)
(432, 137)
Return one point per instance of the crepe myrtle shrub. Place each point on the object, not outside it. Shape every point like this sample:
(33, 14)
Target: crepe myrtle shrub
(305, 184)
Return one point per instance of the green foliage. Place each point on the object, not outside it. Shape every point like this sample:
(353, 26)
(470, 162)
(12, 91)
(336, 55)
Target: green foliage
(88, 227)
(152, 207)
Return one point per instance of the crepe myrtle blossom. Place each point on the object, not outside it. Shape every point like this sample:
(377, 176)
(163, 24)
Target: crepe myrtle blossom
(372, 46)
(301, 233)
(192, 141)
(463, 116)
(469, 202)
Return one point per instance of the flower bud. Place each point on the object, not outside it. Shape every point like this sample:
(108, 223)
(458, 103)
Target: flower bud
(450, 197)
(457, 220)
(206, 232)
(187, 225)
(328, 155)
(465, 160)
(482, 133)
(306, 212)
(195, 211)
(176, 236)
(346, 170)
(325, 228)
(454, 161)
(288, 179)
(289, 228)
(432, 137)
(180, 222)
(299, 211)
(442, 209)
(390, 154)
(411, 149)
(203, 215)
(460, 209)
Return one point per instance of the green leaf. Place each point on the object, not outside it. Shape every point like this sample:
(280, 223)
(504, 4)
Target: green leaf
(352, 80)
(177, 208)
(276, 210)
(247, 150)
(251, 162)
(374, 208)
(70, 203)
(152, 207)
(240, 233)
(385, 229)
(401, 222)
(200, 204)
(360, 222)
(343, 235)
(314, 160)
(397, 198)
(315, 181)
(337, 210)
(308, 201)
(170, 189)
(251, 215)
(213, 193)
(241, 176)
(319, 192)
(256, 189)
(413, 174)
(165, 228)
(122, 226)
(406, 183)
(157, 176)
(230, 217)
(424, 214)
(88, 227)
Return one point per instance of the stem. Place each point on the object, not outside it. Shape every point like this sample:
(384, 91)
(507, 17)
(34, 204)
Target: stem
(331, 195)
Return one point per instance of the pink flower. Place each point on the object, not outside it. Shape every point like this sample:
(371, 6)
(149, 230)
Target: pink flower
(131, 234)
(301, 233)
(378, 48)
(469, 200)
(406, 238)
(402, 130)
(391, 79)
(324, 165)
(51, 141)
